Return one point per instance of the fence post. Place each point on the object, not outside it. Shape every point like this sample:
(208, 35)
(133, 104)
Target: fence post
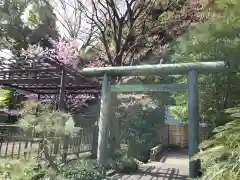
(19, 149)
(65, 149)
(56, 145)
(6, 150)
(13, 146)
(25, 149)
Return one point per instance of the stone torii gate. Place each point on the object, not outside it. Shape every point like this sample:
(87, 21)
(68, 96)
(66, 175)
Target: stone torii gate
(190, 69)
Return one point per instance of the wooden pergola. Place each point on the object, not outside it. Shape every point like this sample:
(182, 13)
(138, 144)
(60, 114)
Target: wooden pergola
(48, 79)
(191, 70)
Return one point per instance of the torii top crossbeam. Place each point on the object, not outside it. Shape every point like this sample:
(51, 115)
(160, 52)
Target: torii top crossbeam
(159, 69)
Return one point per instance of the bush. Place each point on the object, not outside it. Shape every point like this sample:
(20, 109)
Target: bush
(123, 163)
(140, 131)
(220, 155)
(81, 170)
(30, 170)
(21, 170)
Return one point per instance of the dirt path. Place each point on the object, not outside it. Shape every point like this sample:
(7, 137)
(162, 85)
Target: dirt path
(172, 166)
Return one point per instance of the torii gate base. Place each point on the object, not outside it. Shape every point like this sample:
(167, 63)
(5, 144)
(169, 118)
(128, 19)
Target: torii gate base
(193, 106)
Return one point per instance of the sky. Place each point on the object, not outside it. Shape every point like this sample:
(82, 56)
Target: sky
(68, 14)
(64, 12)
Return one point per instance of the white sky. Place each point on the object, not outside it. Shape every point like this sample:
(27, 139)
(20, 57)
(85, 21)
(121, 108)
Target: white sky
(6, 54)
(69, 15)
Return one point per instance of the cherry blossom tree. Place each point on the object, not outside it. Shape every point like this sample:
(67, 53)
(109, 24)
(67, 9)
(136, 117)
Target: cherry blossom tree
(65, 51)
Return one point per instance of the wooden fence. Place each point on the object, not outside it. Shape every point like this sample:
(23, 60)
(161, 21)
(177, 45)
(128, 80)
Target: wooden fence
(177, 135)
(22, 146)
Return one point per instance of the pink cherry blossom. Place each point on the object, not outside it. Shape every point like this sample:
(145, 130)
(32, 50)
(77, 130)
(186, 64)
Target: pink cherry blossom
(64, 51)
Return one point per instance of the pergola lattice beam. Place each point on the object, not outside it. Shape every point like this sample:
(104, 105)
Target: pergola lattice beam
(68, 70)
(51, 81)
(69, 92)
(44, 77)
(26, 70)
(94, 93)
(84, 87)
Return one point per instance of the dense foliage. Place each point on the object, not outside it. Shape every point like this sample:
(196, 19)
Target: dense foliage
(17, 30)
(42, 119)
(37, 117)
(30, 170)
(123, 163)
(82, 169)
(215, 40)
(17, 169)
(220, 154)
(141, 117)
(140, 131)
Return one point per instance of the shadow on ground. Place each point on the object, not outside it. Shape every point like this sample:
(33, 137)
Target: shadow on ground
(153, 173)
(172, 166)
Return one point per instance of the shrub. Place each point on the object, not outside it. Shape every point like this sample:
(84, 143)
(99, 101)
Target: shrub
(123, 163)
(220, 155)
(21, 170)
(47, 122)
(81, 170)
(30, 170)
(140, 130)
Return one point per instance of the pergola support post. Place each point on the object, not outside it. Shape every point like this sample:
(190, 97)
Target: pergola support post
(61, 92)
(193, 123)
(39, 96)
(104, 123)
(61, 107)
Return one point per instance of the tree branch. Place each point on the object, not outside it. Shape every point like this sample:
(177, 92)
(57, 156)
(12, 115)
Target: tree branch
(102, 28)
